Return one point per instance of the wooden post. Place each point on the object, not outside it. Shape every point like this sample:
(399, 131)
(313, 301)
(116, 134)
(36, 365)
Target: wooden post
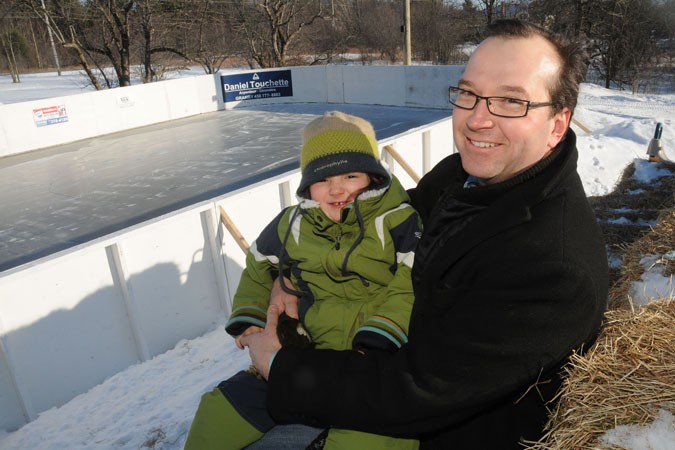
(407, 38)
(580, 125)
(241, 241)
(402, 162)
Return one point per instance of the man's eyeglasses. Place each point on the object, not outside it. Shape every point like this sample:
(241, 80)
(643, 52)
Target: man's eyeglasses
(498, 106)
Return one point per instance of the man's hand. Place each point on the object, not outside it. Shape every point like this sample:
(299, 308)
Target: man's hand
(249, 330)
(262, 345)
(284, 301)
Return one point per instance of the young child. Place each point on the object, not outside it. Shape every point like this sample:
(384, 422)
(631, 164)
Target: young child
(348, 249)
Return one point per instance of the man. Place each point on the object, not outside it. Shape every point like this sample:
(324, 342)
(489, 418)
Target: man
(510, 275)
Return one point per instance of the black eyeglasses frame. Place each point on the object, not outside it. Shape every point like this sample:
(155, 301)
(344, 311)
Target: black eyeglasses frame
(528, 104)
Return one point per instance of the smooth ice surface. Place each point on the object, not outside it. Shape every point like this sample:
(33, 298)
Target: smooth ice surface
(56, 198)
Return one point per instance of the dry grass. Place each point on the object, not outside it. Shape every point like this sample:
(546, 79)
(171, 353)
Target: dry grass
(628, 375)
(659, 241)
(625, 378)
(642, 204)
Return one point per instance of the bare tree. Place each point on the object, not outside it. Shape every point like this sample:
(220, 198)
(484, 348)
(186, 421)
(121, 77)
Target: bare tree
(623, 41)
(94, 27)
(60, 17)
(10, 40)
(440, 30)
(13, 46)
(210, 46)
(489, 8)
(114, 38)
(629, 39)
(106, 34)
(157, 24)
(572, 17)
(327, 40)
(376, 27)
(203, 33)
(271, 27)
(622, 35)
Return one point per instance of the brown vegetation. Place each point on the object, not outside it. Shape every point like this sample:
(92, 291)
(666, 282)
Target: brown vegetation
(628, 375)
(630, 41)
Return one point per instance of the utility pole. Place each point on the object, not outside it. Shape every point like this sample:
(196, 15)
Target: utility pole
(51, 38)
(406, 31)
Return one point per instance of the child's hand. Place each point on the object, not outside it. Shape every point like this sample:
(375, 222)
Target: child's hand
(284, 301)
(250, 330)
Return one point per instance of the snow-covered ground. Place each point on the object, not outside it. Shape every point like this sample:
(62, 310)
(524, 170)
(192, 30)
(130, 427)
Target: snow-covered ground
(36, 86)
(150, 405)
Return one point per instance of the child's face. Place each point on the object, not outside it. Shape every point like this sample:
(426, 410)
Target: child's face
(334, 193)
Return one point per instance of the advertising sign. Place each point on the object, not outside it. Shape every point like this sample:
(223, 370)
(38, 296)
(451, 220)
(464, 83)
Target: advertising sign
(257, 85)
(50, 115)
(125, 101)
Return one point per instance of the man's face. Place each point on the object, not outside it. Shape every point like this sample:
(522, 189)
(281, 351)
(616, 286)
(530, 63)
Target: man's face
(494, 148)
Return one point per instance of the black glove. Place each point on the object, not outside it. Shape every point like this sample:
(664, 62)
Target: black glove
(366, 340)
(292, 333)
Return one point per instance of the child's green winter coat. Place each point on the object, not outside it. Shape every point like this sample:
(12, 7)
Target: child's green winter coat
(354, 276)
(354, 282)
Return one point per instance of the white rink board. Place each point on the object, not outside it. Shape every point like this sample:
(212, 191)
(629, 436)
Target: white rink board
(64, 328)
(96, 113)
(170, 280)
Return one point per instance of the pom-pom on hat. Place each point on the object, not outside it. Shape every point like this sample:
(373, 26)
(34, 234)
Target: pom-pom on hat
(337, 143)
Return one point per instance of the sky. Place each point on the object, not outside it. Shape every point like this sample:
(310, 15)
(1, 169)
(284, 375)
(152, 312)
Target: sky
(150, 405)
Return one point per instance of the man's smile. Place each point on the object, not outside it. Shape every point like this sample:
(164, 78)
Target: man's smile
(481, 144)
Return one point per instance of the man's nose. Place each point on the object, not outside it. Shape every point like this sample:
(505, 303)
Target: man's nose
(480, 116)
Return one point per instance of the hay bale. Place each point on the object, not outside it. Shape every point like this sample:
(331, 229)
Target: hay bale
(628, 376)
(637, 204)
(658, 242)
(625, 378)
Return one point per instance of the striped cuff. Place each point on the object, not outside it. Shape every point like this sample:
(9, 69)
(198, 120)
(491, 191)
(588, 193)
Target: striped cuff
(243, 317)
(386, 328)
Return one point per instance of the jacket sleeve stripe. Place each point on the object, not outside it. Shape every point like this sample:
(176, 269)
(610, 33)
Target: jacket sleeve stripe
(385, 325)
(379, 221)
(295, 226)
(260, 257)
(245, 319)
(405, 258)
(382, 321)
(250, 311)
(384, 334)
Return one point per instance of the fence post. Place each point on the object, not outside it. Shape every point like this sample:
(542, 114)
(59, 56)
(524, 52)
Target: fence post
(402, 162)
(234, 231)
(655, 144)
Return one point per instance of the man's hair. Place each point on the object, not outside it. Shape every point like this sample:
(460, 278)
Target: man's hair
(572, 54)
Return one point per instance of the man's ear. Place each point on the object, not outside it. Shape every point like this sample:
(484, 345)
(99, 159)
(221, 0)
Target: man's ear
(561, 121)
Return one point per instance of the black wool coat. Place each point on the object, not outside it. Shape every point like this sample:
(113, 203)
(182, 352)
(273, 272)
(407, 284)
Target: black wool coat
(509, 279)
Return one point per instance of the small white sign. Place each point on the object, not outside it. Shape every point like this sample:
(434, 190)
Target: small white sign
(50, 115)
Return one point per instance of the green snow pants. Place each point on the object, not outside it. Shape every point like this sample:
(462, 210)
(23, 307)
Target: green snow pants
(233, 415)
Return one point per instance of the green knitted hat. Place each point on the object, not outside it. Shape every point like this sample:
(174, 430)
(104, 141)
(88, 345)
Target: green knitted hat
(337, 143)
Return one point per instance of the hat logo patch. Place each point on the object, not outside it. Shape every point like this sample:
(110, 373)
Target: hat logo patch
(331, 164)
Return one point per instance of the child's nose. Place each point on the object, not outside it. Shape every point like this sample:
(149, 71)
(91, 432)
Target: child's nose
(336, 187)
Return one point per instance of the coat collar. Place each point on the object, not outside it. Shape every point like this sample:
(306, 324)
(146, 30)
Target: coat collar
(504, 205)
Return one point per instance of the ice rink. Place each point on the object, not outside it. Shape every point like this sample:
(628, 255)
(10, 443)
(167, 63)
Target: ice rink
(59, 197)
